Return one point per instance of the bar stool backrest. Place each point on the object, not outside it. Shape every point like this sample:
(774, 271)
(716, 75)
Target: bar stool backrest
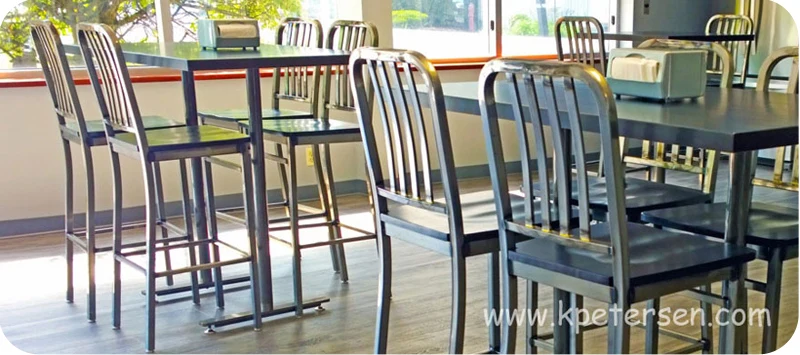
(533, 86)
(57, 74)
(406, 148)
(298, 84)
(111, 81)
(764, 77)
(346, 36)
(732, 25)
(579, 33)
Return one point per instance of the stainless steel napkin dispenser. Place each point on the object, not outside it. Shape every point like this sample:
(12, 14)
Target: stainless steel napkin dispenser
(235, 33)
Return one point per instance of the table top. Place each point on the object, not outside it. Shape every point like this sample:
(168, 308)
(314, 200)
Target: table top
(682, 35)
(189, 57)
(729, 120)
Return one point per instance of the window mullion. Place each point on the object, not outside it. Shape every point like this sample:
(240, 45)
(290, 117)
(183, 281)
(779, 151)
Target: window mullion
(496, 26)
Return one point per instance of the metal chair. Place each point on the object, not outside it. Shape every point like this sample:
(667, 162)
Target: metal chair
(773, 230)
(74, 128)
(616, 262)
(579, 33)
(732, 25)
(126, 135)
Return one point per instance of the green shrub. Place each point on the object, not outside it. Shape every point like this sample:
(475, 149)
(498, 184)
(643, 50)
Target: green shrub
(523, 25)
(408, 18)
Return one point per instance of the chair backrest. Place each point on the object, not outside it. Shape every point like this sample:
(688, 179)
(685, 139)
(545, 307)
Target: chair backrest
(533, 86)
(406, 148)
(732, 25)
(579, 33)
(764, 77)
(347, 36)
(111, 81)
(57, 74)
(298, 84)
(702, 162)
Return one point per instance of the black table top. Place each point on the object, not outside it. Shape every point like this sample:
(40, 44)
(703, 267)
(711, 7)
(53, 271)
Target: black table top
(688, 36)
(188, 56)
(730, 120)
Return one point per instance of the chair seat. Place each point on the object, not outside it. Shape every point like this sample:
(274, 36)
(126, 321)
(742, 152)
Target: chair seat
(244, 115)
(655, 256)
(304, 127)
(183, 138)
(479, 215)
(96, 128)
(769, 225)
(641, 195)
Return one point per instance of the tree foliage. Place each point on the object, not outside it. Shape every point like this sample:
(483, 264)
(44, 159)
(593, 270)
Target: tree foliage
(408, 18)
(127, 15)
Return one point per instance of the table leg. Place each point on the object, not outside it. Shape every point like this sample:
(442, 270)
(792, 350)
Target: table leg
(200, 226)
(742, 168)
(259, 188)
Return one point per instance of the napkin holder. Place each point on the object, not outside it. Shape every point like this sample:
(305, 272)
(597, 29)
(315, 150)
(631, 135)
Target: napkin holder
(681, 73)
(239, 33)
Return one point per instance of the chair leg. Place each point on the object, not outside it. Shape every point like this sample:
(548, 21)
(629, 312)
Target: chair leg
(150, 271)
(730, 291)
(494, 299)
(651, 323)
(562, 329)
(531, 304)
(620, 335)
(213, 232)
(319, 174)
(706, 329)
(335, 229)
(69, 220)
(459, 302)
(384, 289)
(295, 232)
(162, 217)
(249, 211)
(117, 246)
(284, 179)
(187, 222)
(772, 300)
(509, 331)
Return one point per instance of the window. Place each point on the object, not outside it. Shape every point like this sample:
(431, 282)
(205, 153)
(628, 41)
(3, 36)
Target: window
(136, 21)
(528, 25)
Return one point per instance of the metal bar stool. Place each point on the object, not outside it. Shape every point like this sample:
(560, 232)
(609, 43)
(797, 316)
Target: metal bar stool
(773, 230)
(126, 135)
(319, 133)
(615, 262)
(732, 25)
(74, 128)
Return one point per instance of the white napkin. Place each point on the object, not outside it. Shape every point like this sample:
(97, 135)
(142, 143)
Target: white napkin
(634, 69)
(237, 30)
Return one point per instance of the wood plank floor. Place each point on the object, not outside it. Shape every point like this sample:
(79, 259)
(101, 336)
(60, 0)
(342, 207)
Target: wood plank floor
(36, 319)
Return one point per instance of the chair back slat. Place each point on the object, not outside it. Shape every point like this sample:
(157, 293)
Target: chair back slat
(406, 148)
(551, 87)
(579, 32)
(298, 84)
(100, 47)
(730, 24)
(346, 36)
(764, 78)
(57, 73)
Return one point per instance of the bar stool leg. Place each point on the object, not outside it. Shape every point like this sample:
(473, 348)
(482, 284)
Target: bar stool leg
(576, 335)
(325, 203)
(706, 329)
(532, 305)
(333, 211)
(69, 220)
(510, 295)
(213, 232)
(294, 229)
(249, 211)
(187, 220)
(117, 235)
(459, 294)
(91, 292)
(730, 291)
(162, 217)
(384, 289)
(494, 299)
(651, 323)
(772, 300)
(283, 178)
(150, 271)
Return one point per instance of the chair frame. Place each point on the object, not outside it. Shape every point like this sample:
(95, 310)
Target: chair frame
(121, 113)
(732, 24)
(581, 41)
(564, 141)
(409, 178)
(60, 84)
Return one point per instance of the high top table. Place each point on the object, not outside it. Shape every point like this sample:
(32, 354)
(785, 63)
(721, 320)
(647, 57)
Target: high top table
(188, 58)
(737, 121)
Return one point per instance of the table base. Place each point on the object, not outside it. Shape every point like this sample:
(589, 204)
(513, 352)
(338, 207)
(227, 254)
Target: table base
(235, 318)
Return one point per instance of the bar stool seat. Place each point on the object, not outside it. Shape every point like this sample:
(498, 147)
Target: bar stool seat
(769, 225)
(182, 138)
(308, 128)
(231, 118)
(655, 256)
(96, 130)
